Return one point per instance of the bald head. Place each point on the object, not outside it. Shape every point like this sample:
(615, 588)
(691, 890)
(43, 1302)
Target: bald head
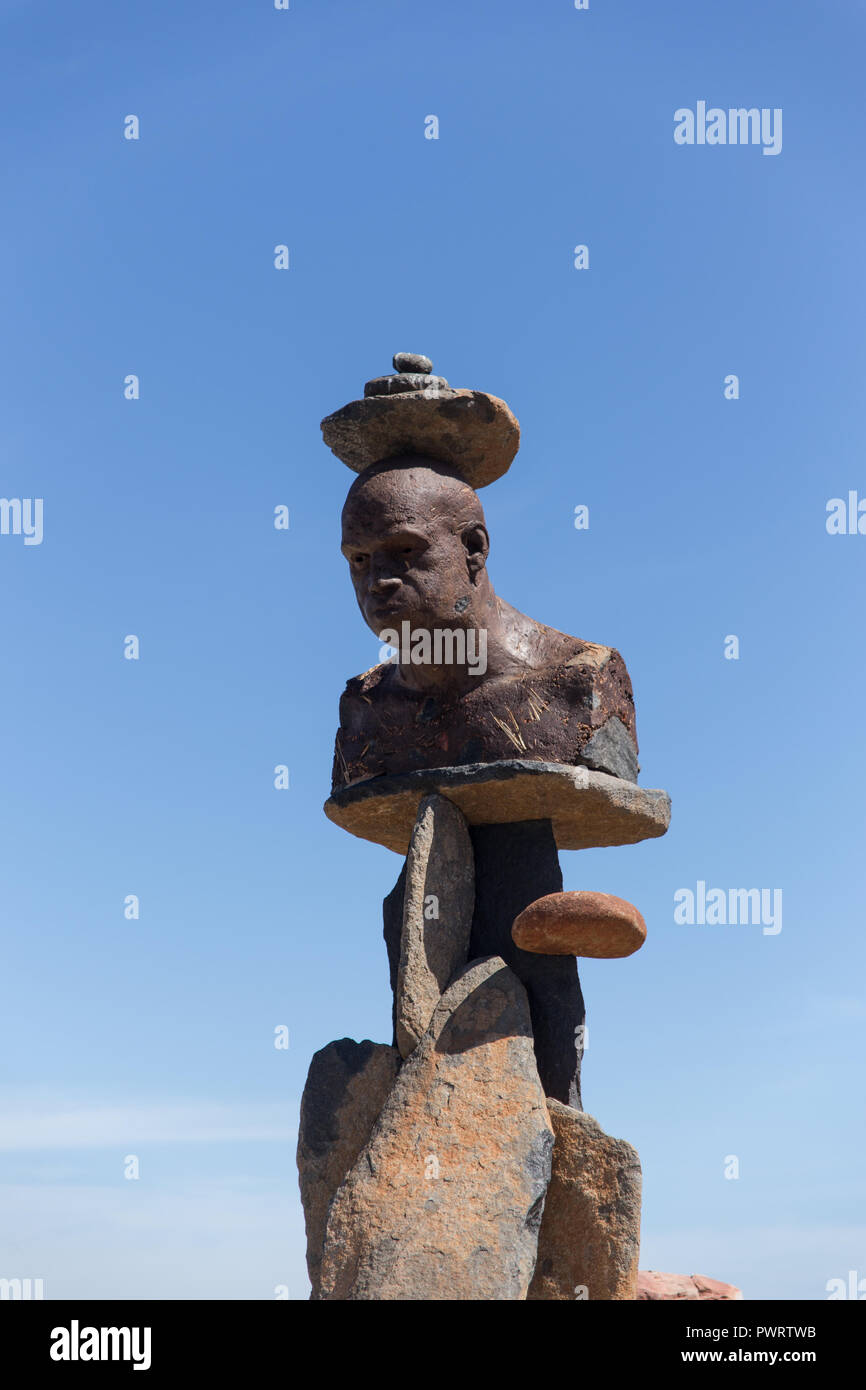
(416, 542)
(416, 490)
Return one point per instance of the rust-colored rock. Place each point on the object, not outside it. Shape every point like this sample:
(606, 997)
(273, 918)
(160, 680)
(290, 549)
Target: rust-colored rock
(589, 1242)
(444, 1202)
(346, 1087)
(580, 924)
(660, 1287)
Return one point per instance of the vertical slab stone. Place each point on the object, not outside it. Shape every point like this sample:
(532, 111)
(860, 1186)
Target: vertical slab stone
(444, 1201)
(590, 1233)
(346, 1087)
(514, 865)
(438, 903)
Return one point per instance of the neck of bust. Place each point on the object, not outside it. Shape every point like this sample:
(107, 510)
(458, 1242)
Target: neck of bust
(459, 653)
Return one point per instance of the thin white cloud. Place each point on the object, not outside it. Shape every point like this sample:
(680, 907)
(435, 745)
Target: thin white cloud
(48, 1124)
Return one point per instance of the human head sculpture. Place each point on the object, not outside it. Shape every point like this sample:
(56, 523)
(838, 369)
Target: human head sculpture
(416, 542)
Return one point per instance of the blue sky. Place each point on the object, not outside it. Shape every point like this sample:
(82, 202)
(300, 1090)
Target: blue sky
(707, 518)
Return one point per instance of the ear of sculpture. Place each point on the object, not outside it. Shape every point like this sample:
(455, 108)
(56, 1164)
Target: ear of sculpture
(476, 543)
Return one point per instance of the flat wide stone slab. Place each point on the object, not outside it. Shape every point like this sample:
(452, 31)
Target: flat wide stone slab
(587, 809)
(473, 432)
(580, 924)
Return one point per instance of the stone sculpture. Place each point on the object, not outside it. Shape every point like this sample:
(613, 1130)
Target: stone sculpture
(458, 1162)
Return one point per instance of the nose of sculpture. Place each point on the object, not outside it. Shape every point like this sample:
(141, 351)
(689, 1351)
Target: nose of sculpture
(384, 584)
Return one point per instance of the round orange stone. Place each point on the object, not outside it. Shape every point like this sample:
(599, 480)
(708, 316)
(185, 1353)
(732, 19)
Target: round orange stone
(580, 924)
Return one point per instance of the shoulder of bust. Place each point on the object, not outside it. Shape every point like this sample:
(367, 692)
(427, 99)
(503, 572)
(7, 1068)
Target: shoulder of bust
(592, 656)
(368, 682)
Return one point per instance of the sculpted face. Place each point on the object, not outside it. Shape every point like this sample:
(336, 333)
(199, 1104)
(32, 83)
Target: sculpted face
(416, 543)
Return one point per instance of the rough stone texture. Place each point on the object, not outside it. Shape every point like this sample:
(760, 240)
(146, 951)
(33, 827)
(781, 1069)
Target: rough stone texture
(411, 362)
(612, 749)
(439, 866)
(590, 1231)
(580, 924)
(514, 865)
(404, 381)
(570, 702)
(474, 433)
(586, 808)
(346, 1087)
(467, 1105)
(655, 1286)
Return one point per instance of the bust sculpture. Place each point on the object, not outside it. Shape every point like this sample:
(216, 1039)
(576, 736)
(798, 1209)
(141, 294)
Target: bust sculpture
(456, 1162)
(506, 718)
(474, 680)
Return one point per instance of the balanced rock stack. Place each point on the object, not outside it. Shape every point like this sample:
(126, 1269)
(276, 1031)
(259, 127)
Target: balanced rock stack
(457, 1162)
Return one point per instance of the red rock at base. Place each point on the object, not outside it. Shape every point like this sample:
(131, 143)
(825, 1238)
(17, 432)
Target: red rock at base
(656, 1286)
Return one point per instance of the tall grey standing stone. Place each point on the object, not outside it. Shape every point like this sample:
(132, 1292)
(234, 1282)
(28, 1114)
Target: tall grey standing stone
(445, 1200)
(514, 865)
(589, 1242)
(346, 1087)
(438, 904)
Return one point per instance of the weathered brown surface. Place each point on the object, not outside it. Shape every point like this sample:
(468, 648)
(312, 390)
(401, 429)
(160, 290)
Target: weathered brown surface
(437, 916)
(580, 924)
(475, 680)
(474, 433)
(346, 1087)
(552, 714)
(445, 1200)
(659, 1287)
(586, 808)
(589, 1242)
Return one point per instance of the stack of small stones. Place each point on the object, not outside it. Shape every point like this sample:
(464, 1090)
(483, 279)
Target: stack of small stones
(456, 1162)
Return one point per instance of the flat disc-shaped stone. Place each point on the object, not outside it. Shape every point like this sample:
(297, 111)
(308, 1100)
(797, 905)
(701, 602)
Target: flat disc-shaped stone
(580, 924)
(474, 433)
(586, 808)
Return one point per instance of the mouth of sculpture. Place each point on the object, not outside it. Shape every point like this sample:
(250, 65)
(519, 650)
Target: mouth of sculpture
(392, 609)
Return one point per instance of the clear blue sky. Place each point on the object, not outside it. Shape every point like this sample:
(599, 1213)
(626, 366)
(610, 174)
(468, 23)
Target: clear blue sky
(707, 518)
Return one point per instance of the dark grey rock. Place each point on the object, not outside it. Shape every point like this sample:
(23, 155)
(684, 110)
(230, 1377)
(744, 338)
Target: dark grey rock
(403, 382)
(612, 750)
(346, 1087)
(392, 931)
(411, 362)
(514, 865)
